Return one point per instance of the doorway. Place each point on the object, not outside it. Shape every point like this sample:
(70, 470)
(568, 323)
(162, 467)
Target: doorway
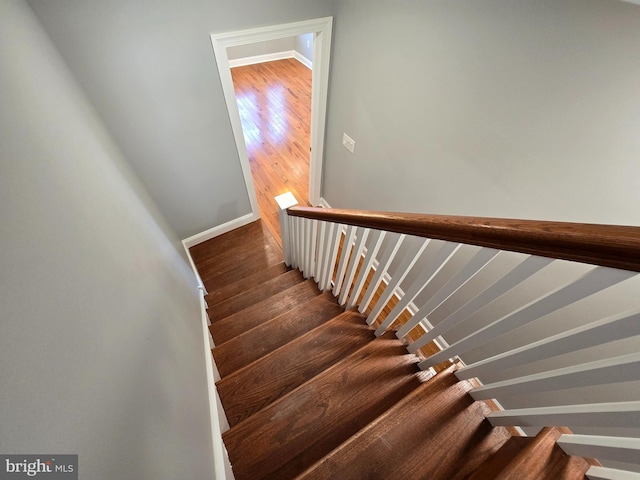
(274, 102)
(321, 29)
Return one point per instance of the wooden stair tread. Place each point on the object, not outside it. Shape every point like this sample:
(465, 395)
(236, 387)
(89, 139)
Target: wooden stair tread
(239, 238)
(252, 388)
(268, 336)
(499, 460)
(251, 296)
(232, 268)
(248, 318)
(289, 435)
(438, 420)
(221, 294)
(542, 458)
(235, 255)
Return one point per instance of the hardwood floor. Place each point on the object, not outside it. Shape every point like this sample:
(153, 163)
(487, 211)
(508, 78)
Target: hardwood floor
(274, 101)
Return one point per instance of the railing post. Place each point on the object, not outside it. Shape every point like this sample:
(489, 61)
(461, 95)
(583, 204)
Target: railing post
(285, 201)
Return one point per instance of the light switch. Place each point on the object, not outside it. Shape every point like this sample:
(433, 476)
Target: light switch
(348, 142)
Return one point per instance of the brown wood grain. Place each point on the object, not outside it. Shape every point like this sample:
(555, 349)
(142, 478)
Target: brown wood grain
(223, 293)
(248, 318)
(615, 246)
(253, 295)
(231, 257)
(259, 341)
(436, 432)
(252, 388)
(490, 469)
(274, 101)
(542, 458)
(289, 435)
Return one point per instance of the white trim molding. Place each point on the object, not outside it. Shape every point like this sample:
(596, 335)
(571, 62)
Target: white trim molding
(270, 57)
(322, 28)
(219, 230)
(303, 60)
(217, 418)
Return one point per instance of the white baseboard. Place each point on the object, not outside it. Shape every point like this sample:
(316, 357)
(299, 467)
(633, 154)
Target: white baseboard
(270, 57)
(324, 203)
(219, 230)
(303, 60)
(217, 417)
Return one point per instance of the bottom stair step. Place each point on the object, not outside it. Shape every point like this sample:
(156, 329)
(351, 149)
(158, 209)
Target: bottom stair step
(437, 432)
(289, 435)
(542, 458)
(509, 451)
(252, 388)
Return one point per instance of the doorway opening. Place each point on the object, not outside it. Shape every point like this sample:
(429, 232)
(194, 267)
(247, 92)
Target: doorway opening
(224, 43)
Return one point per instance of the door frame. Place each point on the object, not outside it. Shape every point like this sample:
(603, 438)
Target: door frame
(321, 27)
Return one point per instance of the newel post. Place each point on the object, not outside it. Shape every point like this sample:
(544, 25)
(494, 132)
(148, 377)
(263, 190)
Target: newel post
(285, 201)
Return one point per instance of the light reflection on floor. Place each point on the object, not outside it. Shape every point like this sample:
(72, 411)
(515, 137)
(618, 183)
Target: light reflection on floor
(257, 123)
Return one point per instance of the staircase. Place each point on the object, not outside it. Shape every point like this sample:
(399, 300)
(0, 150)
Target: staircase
(310, 392)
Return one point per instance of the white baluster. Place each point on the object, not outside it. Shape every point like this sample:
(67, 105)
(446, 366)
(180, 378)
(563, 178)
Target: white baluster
(602, 473)
(313, 247)
(361, 237)
(601, 372)
(347, 245)
(614, 414)
(387, 257)
(376, 241)
(467, 272)
(436, 262)
(409, 259)
(615, 327)
(593, 281)
(524, 270)
(336, 235)
(321, 250)
(619, 449)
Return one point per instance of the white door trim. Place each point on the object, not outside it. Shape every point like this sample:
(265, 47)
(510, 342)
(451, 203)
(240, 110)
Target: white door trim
(320, 83)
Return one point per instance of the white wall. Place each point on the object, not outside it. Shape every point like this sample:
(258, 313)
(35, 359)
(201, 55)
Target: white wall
(497, 108)
(304, 45)
(101, 343)
(262, 48)
(148, 68)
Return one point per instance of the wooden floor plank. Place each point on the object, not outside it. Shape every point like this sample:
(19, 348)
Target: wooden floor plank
(274, 102)
(244, 320)
(252, 388)
(286, 437)
(259, 341)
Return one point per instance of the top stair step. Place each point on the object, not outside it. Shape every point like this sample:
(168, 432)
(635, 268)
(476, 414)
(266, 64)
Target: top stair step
(235, 255)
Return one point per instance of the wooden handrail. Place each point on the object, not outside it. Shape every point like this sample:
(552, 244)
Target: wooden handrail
(607, 245)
